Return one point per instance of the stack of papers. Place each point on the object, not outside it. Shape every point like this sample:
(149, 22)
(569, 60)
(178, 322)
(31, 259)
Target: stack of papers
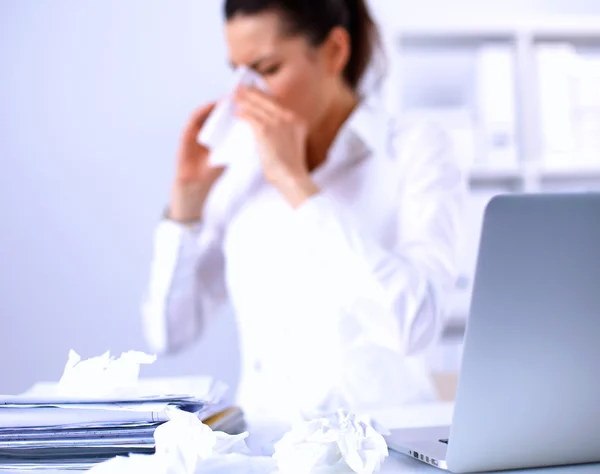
(100, 409)
(44, 431)
(39, 431)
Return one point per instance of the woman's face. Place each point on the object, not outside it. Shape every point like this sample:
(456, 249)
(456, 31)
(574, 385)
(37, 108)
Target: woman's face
(301, 77)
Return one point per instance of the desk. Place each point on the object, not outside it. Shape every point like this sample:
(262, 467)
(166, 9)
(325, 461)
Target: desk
(434, 414)
(406, 465)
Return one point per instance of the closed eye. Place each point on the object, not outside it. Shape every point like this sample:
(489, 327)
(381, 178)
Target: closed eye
(269, 71)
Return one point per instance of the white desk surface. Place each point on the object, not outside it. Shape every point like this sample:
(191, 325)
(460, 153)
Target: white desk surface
(422, 415)
(406, 465)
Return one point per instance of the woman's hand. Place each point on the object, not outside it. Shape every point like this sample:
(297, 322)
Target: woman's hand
(281, 137)
(194, 176)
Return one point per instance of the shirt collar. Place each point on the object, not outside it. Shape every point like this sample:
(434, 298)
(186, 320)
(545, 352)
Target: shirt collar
(370, 124)
(363, 135)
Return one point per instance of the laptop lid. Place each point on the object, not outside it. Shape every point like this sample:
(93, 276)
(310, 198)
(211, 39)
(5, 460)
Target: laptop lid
(529, 388)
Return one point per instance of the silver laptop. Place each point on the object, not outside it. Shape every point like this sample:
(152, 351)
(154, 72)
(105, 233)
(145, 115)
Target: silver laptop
(529, 387)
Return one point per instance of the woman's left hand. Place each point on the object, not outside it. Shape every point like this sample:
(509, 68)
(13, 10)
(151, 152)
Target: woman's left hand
(281, 138)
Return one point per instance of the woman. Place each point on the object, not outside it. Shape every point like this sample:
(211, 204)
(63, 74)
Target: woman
(338, 258)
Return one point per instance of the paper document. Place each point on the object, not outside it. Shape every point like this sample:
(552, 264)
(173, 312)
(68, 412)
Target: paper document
(159, 389)
(57, 416)
(71, 424)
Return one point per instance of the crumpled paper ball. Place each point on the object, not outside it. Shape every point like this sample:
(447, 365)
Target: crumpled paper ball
(185, 445)
(102, 375)
(185, 441)
(340, 443)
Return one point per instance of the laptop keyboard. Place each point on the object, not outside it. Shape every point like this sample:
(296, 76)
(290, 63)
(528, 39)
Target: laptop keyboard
(445, 441)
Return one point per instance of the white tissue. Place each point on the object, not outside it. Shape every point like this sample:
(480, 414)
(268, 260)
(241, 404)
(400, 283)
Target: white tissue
(229, 139)
(185, 441)
(102, 375)
(184, 445)
(340, 443)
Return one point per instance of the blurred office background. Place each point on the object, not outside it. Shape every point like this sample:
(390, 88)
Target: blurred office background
(92, 99)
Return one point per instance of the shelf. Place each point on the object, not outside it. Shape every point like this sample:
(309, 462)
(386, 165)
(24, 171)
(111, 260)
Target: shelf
(454, 325)
(577, 172)
(549, 28)
(511, 177)
(454, 328)
(566, 28)
(463, 28)
(485, 174)
(458, 311)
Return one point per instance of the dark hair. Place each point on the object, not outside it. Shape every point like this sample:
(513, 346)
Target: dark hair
(316, 18)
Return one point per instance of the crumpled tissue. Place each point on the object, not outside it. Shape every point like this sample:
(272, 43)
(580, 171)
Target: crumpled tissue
(102, 375)
(185, 440)
(229, 139)
(340, 443)
(185, 445)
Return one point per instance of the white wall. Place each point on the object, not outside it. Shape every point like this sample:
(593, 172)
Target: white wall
(92, 98)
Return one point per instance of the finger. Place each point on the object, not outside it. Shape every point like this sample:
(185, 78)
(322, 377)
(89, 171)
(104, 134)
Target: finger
(259, 99)
(201, 114)
(214, 171)
(254, 120)
(198, 118)
(247, 109)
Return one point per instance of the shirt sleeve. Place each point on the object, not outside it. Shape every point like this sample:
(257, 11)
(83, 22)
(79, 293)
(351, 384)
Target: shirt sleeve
(186, 283)
(413, 278)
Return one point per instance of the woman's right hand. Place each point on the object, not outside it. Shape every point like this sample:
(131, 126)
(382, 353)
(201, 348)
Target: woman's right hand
(194, 176)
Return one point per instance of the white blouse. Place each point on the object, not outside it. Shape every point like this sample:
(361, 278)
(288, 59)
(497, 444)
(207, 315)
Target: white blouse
(335, 300)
